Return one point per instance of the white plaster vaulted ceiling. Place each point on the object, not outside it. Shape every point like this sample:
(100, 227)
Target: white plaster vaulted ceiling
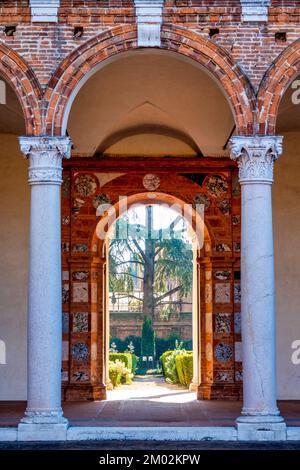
(288, 119)
(11, 113)
(150, 103)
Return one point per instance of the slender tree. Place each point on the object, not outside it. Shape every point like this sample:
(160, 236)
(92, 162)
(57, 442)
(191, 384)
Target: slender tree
(148, 338)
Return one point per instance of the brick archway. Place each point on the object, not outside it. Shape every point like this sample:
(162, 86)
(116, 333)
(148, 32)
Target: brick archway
(201, 310)
(23, 81)
(279, 76)
(65, 83)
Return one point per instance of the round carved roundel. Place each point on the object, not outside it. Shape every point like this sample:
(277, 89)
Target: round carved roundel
(151, 182)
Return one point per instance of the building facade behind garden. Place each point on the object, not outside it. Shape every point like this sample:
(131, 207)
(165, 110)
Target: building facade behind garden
(197, 93)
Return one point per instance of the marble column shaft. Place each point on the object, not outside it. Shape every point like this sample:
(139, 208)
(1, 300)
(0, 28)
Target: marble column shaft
(255, 157)
(45, 156)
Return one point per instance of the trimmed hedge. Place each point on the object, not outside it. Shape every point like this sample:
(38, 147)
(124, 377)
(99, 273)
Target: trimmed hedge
(163, 358)
(179, 369)
(184, 367)
(134, 363)
(128, 359)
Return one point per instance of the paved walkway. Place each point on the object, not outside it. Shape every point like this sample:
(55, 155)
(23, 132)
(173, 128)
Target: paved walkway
(152, 388)
(149, 401)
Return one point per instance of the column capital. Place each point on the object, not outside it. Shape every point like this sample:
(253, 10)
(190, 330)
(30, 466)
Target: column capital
(45, 154)
(255, 156)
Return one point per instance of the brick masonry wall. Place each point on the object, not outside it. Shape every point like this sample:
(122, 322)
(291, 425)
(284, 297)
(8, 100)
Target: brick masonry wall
(253, 46)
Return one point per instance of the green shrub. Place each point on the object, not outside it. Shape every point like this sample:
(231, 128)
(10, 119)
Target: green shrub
(123, 357)
(120, 344)
(114, 374)
(118, 373)
(136, 341)
(169, 361)
(134, 363)
(177, 365)
(166, 344)
(179, 369)
(188, 344)
(187, 365)
(163, 359)
(130, 360)
(148, 338)
(184, 368)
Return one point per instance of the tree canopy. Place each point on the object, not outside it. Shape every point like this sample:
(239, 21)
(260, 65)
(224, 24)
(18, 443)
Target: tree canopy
(160, 258)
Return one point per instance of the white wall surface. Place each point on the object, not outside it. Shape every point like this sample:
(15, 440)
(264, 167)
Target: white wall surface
(14, 217)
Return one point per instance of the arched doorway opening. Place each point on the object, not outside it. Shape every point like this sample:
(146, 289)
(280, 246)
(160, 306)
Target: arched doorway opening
(165, 260)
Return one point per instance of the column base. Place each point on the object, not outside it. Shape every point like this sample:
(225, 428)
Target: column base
(261, 428)
(193, 387)
(84, 392)
(230, 392)
(42, 432)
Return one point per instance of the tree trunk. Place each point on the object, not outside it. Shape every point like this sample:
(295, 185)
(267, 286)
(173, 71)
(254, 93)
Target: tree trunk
(148, 302)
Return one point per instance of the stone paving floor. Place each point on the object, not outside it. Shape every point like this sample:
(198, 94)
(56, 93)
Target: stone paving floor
(149, 401)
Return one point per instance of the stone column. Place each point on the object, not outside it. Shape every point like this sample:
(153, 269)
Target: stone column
(260, 418)
(43, 418)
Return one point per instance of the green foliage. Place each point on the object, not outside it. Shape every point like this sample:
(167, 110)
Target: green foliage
(122, 345)
(119, 373)
(136, 341)
(175, 262)
(163, 359)
(126, 358)
(188, 344)
(188, 369)
(179, 369)
(134, 364)
(130, 348)
(184, 368)
(170, 364)
(129, 260)
(166, 344)
(148, 338)
(116, 345)
(161, 344)
(177, 365)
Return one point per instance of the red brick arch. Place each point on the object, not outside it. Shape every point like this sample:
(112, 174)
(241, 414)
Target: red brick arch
(277, 79)
(212, 57)
(22, 79)
(143, 198)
